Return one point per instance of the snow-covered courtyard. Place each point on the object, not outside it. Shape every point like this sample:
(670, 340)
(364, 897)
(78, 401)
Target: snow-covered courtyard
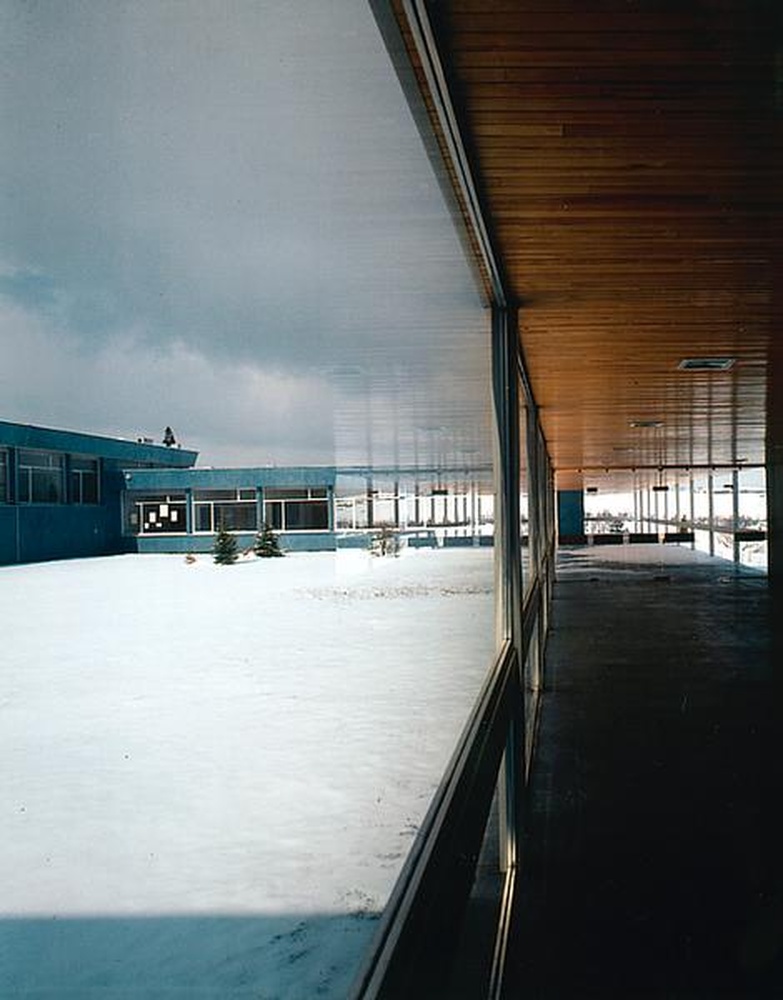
(212, 775)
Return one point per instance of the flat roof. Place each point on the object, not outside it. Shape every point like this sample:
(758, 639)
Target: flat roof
(31, 436)
(180, 479)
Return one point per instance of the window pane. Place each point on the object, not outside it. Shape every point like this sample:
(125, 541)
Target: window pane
(214, 494)
(203, 517)
(90, 487)
(3, 476)
(273, 515)
(286, 494)
(47, 486)
(163, 518)
(40, 459)
(84, 481)
(236, 516)
(306, 516)
(40, 477)
(384, 369)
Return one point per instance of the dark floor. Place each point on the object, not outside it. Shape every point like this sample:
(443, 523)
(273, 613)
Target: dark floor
(653, 861)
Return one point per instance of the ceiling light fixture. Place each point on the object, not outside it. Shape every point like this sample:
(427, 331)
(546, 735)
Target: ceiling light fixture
(646, 423)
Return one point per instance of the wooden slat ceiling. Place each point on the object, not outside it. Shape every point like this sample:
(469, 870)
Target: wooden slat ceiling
(628, 155)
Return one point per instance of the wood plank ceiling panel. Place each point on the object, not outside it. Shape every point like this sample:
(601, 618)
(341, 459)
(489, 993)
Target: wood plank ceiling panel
(629, 159)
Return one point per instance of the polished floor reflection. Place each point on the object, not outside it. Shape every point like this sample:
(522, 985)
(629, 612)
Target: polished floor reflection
(653, 862)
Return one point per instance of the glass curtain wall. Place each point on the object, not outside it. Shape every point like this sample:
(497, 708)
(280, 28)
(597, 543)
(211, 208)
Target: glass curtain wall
(240, 757)
(500, 849)
(724, 507)
(608, 512)
(524, 493)
(723, 524)
(752, 517)
(540, 574)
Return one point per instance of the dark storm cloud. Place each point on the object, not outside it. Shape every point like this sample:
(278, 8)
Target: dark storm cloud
(239, 185)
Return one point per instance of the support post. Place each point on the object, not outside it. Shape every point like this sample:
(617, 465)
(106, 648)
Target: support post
(370, 493)
(692, 508)
(677, 512)
(774, 463)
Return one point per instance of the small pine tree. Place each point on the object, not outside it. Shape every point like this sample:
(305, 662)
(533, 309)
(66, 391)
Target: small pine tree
(224, 551)
(385, 542)
(265, 544)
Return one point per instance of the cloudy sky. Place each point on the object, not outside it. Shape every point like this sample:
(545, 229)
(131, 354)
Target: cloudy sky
(220, 216)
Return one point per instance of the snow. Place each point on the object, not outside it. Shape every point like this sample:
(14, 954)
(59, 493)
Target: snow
(211, 775)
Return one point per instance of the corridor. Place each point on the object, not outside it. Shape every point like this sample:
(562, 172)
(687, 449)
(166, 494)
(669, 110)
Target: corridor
(652, 865)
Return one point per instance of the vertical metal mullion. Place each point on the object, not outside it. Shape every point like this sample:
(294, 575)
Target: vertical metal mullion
(677, 513)
(635, 507)
(735, 515)
(652, 500)
(508, 561)
(692, 508)
(507, 467)
(711, 510)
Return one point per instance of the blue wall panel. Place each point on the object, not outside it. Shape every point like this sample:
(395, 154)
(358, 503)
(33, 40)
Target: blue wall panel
(570, 513)
(32, 532)
(8, 535)
(67, 532)
(312, 541)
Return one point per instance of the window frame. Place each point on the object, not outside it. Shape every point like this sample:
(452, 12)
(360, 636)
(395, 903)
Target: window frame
(212, 500)
(4, 476)
(174, 503)
(276, 501)
(78, 477)
(26, 486)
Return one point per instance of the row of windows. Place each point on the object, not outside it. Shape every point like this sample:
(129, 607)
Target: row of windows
(291, 509)
(49, 477)
(296, 510)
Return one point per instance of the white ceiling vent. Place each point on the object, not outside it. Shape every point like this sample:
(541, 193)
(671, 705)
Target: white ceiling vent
(706, 364)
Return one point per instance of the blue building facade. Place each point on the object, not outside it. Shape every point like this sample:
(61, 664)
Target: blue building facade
(61, 491)
(67, 495)
(180, 510)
